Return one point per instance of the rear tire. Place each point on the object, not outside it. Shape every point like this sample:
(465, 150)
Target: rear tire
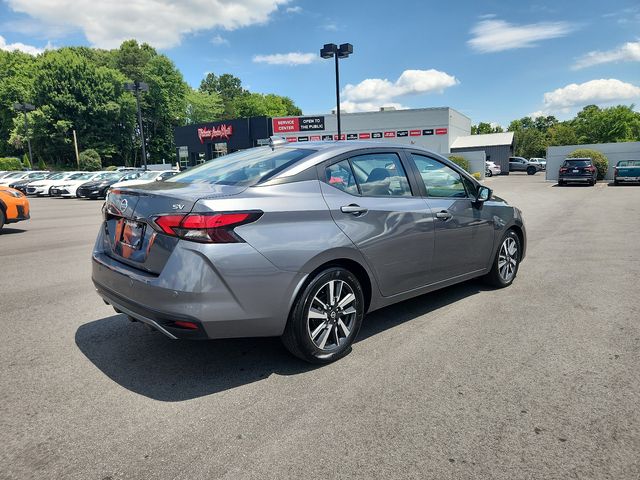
(506, 262)
(561, 183)
(326, 317)
(531, 170)
(489, 173)
(616, 183)
(2, 219)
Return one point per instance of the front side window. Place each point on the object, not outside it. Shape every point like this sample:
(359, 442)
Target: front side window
(440, 180)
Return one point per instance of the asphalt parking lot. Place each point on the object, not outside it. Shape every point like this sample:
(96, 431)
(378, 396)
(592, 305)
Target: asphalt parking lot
(537, 381)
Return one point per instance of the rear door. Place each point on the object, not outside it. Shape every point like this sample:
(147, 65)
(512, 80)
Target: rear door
(372, 201)
(464, 231)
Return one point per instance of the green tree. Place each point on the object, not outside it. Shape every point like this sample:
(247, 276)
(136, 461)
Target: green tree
(530, 142)
(16, 85)
(203, 107)
(42, 165)
(603, 125)
(70, 92)
(562, 134)
(26, 163)
(90, 160)
(164, 107)
(484, 127)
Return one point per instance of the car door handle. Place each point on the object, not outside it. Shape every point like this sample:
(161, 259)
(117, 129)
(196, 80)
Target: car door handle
(354, 209)
(443, 215)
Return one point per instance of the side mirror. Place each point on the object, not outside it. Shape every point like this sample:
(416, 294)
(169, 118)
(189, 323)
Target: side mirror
(484, 194)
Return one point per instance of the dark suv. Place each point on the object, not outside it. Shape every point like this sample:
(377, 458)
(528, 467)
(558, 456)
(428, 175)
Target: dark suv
(578, 170)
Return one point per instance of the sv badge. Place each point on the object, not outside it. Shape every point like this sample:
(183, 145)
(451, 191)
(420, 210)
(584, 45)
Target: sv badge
(177, 206)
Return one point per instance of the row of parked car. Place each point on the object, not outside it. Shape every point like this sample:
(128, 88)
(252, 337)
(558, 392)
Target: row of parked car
(78, 184)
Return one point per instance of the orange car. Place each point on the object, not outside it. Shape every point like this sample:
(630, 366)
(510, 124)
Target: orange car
(14, 206)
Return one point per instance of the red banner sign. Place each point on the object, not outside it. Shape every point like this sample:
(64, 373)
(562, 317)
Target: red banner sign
(389, 134)
(415, 133)
(221, 131)
(286, 125)
(441, 131)
(364, 136)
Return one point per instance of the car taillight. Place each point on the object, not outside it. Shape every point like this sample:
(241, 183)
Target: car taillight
(591, 169)
(563, 170)
(205, 227)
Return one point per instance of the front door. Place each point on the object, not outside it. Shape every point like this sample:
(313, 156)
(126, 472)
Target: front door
(464, 232)
(371, 200)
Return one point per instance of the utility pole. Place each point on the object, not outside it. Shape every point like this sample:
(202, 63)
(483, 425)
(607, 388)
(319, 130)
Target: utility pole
(75, 144)
(24, 108)
(138, 87)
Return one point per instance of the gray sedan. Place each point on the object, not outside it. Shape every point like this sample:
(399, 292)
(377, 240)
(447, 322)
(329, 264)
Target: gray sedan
(300, 241)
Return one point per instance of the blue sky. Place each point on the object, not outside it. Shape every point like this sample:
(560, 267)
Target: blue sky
(493, 61)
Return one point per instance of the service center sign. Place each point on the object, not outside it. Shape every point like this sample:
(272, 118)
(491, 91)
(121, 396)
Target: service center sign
(297, 124)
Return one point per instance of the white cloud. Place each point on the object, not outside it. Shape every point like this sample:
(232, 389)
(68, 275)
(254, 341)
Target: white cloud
(596, 92)
(30, 49)
(219, 40)
(330, 27)
(160, 23)
(350, 107)
(372, 93)
(493, 35)
(292, 58)
(295, 9)
(629, 52)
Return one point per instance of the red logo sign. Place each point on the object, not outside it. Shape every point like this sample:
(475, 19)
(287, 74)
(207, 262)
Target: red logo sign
(364, 136)
(415, 133)
(221, 131)
(342, 137)
(441, 131)
(292, 139)
(314, 138)
(389, 134)
(286, 125)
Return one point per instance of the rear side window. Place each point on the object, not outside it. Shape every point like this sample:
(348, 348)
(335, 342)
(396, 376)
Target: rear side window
(341, 176)
(577, 163)
(371, 175)
(440, 180)
(629, 163)
(381, 174)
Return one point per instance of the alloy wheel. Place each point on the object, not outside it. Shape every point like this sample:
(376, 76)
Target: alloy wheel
(331, 315)
(508, 259)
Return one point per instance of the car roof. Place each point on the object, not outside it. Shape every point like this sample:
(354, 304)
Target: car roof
(328, 149)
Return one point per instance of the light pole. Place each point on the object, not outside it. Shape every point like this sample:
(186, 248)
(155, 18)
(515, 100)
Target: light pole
(24, 108)
(138, 87)
(343, 51)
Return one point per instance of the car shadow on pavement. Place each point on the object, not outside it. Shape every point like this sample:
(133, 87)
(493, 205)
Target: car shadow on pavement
(11, 231)
(148, 363)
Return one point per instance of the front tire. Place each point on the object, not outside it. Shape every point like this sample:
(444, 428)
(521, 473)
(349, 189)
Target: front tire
(506, 262)
(326, 317)
(489, 173)
(2, 219)
(531, 170)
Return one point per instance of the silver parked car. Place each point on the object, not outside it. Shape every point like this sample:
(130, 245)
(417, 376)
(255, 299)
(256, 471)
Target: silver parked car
(300, 241)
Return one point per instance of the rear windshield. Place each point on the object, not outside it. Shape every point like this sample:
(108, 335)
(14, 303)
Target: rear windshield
(244, 168)
(577, 163)
(629, 163)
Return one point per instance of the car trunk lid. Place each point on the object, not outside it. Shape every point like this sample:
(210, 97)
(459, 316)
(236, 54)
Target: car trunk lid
(130, 236)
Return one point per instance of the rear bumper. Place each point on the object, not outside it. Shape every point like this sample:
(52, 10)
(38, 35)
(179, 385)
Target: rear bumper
(627, 179)
(242, 295)
(568, 178)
